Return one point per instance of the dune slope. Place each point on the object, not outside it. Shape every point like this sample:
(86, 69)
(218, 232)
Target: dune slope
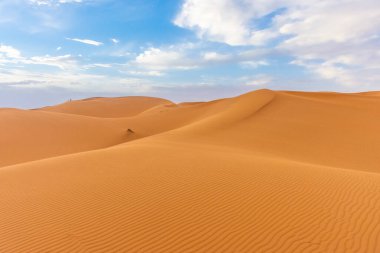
(263, 172)
(32, 135)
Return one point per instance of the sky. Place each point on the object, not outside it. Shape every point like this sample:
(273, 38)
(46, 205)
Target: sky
(184, 50)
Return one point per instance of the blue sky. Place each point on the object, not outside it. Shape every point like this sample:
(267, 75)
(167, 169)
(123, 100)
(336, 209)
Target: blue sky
(184, 50)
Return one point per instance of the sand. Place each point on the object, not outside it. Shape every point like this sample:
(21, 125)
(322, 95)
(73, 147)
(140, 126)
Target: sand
(268, 171)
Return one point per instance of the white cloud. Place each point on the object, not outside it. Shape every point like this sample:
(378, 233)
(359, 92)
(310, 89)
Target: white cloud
(69, 72)
(9, 52)
(261, 37)
(53, 2)
(10, 55)
(190, 56)
(62, 62)
(342, 46)
(73, 80)
(254, 64)
(329, 21)
(258, 80)
(115, 41)
(159, 59)
(70, 1)
(216, 57)
(87, 41)
(40, 2)
(336, 40)
(245, 60)
(308, 22)
(146, 73)
(216, 20)
(98, 65)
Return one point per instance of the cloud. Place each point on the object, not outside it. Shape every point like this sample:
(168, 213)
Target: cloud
(53, 2)
(216, 57)
(159, 59)
(342, 46)
(336, 40)
(228, 21)
(87, 41)
(70, 1)
(9, 52)
(258, 80)
(98, 65)
(63, 62)
(69, 72)
(115, 41)
(326, 22)
(72, 80)
(11, 55)
(146, 73)
(37, 16)
(254, 64)
(190, 56)
(307, 22)
(216, 20)
(243, 58)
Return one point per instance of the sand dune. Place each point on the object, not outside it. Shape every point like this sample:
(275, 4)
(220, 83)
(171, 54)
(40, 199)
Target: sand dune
(268, 171)
(108, 107)
(28, 135)
(330, 129)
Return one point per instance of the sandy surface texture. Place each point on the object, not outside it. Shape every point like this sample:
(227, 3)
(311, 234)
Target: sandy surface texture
(267, 171)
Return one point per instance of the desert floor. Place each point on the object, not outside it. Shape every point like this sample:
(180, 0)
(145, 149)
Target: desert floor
(267, 171)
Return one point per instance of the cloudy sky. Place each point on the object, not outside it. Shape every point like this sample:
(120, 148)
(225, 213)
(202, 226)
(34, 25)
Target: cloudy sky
(184, 50)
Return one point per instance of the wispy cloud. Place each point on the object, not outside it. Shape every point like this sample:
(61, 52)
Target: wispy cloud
(63, 61)
(98, 65)
(115, 41)
(258, 80)
(53, 2)
(86, 41)
(11, 55)
(145, 73)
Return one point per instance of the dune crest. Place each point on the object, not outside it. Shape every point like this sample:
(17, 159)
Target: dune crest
(267, 171)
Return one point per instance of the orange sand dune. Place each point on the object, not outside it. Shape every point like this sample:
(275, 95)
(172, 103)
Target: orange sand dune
(37, 134)
(108, 107)
(31, 135)
(332, 129)
(267, 171)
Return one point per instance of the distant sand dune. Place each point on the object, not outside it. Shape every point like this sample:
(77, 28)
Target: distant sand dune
(108, 107)
(268, 171)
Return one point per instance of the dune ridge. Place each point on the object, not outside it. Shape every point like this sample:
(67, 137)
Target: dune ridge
(267, 171)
